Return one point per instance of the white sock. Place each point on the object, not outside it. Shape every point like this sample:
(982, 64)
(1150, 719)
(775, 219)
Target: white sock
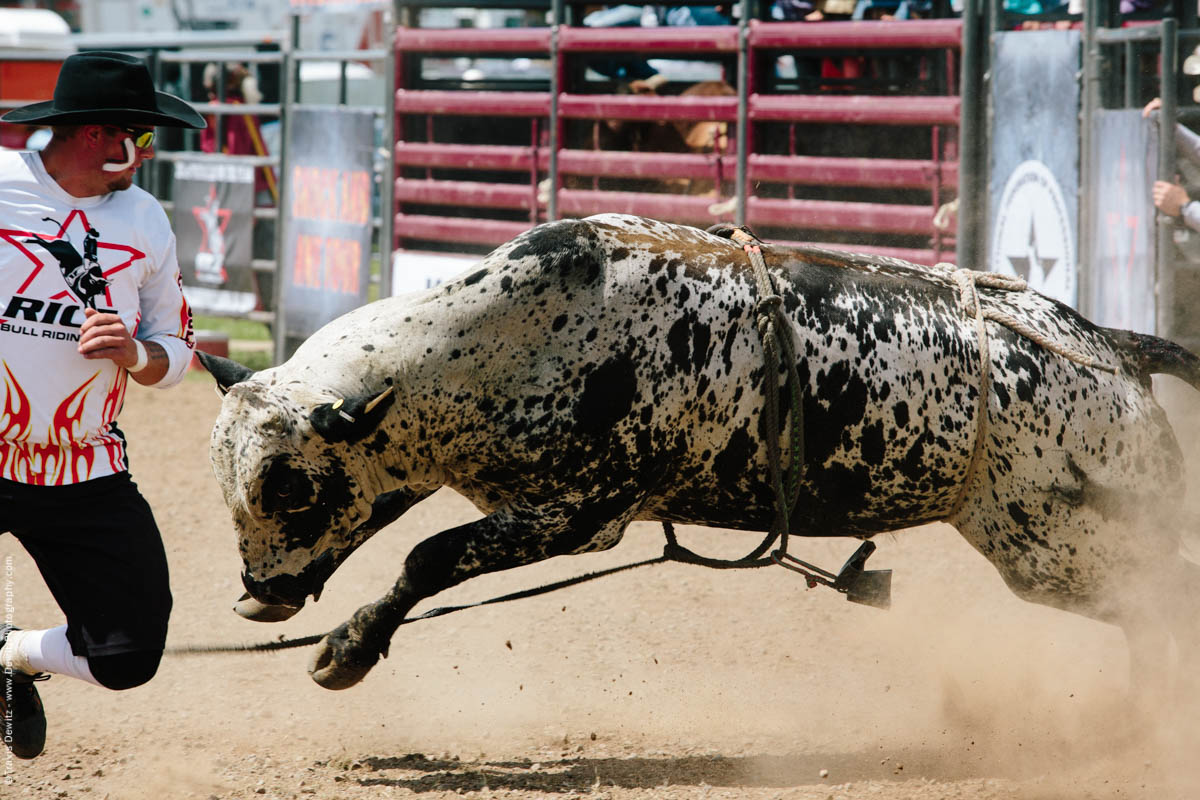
(45, 651)
(11, 656)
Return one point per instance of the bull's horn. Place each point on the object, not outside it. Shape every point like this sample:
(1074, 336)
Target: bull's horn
(226, 372)
(377, 399)
(353, 418)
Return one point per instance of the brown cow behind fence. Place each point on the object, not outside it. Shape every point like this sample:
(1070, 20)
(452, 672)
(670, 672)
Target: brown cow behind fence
(678, 136)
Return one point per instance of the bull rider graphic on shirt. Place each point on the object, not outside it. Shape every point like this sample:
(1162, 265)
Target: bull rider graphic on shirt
(82, 272)
(65, 272)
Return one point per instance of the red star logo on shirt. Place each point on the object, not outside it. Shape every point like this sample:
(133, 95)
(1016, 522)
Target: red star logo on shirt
(39, 249)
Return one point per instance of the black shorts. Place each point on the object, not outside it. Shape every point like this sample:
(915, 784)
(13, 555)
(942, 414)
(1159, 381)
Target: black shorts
(101, 555)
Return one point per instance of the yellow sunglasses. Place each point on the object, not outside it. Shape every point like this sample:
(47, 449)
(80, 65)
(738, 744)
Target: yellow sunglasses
(141, 137)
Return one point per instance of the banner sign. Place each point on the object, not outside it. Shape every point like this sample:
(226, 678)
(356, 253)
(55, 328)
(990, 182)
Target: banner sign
(417, 271)
(325, 265)
(1125, 161)
(1034, 170)
(214, 217)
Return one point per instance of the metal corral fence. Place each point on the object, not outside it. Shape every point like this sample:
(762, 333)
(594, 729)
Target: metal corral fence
(178, 62)
(842, 133)
(195, 66)
(860, 134)
(1124, 67)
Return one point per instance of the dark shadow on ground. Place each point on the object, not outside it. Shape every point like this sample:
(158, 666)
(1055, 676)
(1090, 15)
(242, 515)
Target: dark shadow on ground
(419, 773)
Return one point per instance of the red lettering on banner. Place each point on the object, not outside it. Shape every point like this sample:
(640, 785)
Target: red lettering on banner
(328, 179)
(316, 193)
(306, 271)
(356, 197)
(341, 267)
(302, 189)
(327, 194)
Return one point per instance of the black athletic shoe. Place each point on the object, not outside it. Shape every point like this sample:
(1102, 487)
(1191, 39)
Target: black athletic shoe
(22, 718)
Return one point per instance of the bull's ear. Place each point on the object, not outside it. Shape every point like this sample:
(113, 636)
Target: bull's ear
(351, 419)
(226, 372)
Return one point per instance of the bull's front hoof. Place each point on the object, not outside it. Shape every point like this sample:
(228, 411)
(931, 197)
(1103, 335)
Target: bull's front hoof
(339, 661)
(249, 608)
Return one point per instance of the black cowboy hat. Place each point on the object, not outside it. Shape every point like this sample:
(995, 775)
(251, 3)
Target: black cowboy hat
(105, 88)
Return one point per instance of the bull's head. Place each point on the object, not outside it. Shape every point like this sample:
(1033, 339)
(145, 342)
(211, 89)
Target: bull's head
(291, 463)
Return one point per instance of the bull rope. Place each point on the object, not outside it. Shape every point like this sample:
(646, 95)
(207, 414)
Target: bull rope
(968, 282)
(304, 641)
(776, 334)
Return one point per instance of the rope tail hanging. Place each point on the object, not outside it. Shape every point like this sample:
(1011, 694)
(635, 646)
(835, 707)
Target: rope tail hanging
(287, 644)
(778, 346)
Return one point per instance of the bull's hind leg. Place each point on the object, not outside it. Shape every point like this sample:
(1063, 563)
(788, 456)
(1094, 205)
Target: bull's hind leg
(503, 540)
(1184, 621)
(1109, 551)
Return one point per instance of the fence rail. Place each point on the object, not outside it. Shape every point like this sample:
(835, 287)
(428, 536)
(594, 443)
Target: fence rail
(798, 182)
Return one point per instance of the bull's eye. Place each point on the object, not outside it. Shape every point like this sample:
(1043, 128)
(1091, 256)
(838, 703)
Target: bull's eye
(286, 488)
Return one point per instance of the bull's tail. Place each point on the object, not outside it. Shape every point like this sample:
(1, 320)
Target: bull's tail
(1156, 356)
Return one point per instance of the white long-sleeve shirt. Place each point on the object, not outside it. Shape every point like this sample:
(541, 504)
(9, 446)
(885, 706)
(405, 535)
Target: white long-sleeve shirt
(1187, 145)
(60, 254)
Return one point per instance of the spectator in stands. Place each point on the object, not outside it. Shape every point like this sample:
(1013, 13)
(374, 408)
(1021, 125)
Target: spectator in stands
(831, 10)
(827, 10)
(1136, 6)
(791, 10)
(1174, 199)
(637, 72)
(653, 16)
(237, 87)
(241, 134)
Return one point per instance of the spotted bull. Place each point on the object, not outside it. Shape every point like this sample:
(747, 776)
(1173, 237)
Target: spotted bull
(594, 372)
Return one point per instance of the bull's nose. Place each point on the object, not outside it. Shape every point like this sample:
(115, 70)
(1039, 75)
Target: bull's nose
(282, 590)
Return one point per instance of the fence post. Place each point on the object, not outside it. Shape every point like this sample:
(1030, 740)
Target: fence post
(387, 189)
(289, 78)
(972, 133)
(1090, 103)
(555, 122)
(1164, 260)
(743, 114)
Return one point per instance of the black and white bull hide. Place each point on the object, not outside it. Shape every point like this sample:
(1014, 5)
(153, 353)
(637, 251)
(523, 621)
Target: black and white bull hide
(594, 372)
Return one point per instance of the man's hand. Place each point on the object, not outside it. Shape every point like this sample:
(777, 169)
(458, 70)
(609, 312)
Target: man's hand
(104, 335)
(1151, 107)
(1169, 198)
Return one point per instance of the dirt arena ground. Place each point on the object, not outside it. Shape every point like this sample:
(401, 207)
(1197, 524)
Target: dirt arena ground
(667, 682)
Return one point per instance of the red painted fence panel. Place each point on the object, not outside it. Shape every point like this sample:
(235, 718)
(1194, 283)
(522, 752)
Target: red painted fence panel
(780, 159)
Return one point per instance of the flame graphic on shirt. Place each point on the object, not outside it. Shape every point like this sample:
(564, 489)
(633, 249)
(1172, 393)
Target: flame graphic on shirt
(49, 462)
(70, 453)
(14, 424)
(114, 443)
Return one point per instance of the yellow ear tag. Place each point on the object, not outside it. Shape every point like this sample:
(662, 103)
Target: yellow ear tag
(337, 405)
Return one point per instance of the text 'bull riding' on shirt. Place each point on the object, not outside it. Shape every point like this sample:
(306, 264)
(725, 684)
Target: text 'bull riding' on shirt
(60, 254)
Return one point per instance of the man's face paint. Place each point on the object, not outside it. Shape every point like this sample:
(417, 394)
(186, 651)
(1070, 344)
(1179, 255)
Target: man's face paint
(130, 155)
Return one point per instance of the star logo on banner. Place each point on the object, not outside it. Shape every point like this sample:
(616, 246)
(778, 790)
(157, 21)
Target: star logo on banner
(86, 274)
(213, 220)
(1023, 264)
